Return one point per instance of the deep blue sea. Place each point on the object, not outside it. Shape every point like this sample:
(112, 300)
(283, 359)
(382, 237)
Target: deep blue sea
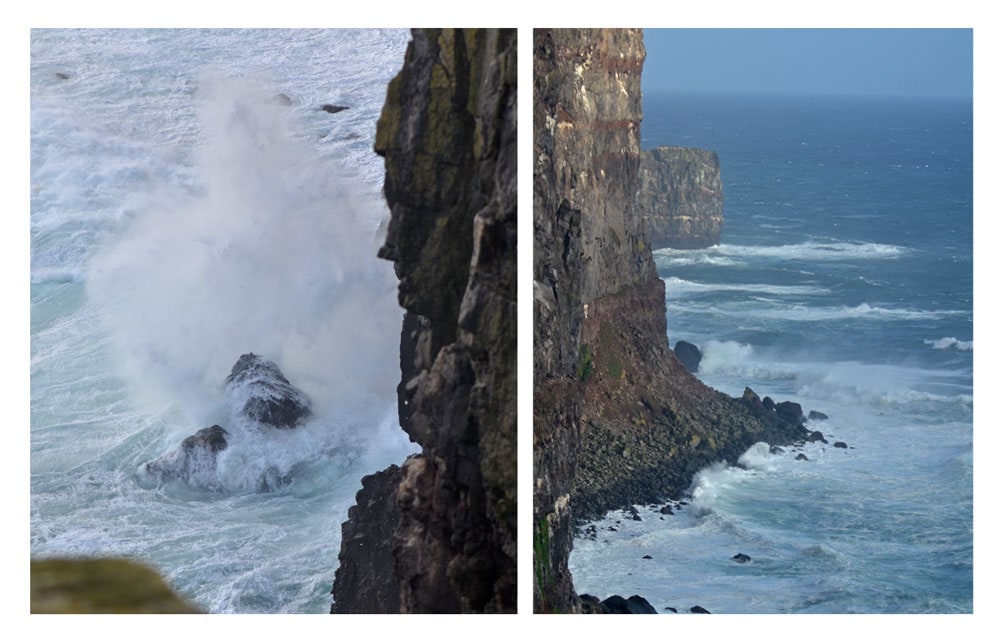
(843, 282)
(191, 201)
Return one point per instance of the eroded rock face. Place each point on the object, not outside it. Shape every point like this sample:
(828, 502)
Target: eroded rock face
(448, 134)
(362, 587)
(680, 195)
(618, 420)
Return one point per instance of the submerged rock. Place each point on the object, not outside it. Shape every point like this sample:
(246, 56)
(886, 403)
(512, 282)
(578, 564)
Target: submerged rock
(333, 108)
(741, 558)
(194, 461)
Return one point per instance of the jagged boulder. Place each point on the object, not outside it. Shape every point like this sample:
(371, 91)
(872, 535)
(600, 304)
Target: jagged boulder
(790, 412)
(264, 394)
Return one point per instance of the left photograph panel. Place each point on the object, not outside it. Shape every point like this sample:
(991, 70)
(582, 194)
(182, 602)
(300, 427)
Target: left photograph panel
(273, 321)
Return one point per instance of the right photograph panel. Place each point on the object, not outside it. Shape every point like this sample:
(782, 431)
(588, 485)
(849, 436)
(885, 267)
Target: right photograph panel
(753, 321)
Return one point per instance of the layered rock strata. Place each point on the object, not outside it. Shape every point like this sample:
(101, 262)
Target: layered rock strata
(680, 194)
(448, 133)
(617, 418)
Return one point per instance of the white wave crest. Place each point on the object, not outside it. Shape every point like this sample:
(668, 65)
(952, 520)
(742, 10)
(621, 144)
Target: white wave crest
(677, 287)
(948, 342)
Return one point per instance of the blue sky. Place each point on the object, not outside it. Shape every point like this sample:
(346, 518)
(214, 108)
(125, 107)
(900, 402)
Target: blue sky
(901, 62)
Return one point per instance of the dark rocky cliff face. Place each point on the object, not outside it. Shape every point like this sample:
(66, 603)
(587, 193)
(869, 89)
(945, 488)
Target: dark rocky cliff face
(617, 418)
(680, 194)
(448, 133)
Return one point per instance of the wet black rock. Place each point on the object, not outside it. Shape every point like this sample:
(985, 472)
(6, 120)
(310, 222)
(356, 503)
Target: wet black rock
(633, 605)
(266, 395)
(647, 557)
(698, 609)
(333, 108)
(840, 444)
(801, 457)
(689, 354)
(790, 412)
(816, 435)
(194, 461)
(815, 415)
(741, 558)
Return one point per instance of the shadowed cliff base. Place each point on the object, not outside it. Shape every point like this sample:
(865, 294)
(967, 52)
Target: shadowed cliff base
(618, 420)
(439, 534)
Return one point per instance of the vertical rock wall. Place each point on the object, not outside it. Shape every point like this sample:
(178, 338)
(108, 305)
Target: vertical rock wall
(448, 133)
(617, 418)
(587, 244)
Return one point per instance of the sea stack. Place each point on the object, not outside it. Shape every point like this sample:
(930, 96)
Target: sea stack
(680, 195)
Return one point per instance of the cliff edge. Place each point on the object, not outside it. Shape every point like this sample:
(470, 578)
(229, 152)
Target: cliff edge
(618, 420)
(448, 132)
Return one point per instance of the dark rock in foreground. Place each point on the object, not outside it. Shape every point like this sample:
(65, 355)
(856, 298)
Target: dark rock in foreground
(741, 558)
(369, 530)
(698, 609)
(689, 354)
(448, 133)
(265, 393)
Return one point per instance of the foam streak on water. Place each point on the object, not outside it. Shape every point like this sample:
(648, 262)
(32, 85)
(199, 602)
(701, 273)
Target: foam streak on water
(191, 202)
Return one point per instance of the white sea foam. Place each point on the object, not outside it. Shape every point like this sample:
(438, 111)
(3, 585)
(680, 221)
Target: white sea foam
(734, 254)
(677, 287)
(948, 343)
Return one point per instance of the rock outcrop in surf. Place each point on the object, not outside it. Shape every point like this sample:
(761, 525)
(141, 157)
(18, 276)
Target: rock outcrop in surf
(259, 396)
(261, 393)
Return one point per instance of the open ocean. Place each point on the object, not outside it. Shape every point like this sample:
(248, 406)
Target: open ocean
(191, 202)
(844, 283)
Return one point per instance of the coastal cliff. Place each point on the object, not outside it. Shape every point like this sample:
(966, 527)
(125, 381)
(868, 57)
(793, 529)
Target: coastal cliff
(680, 194)
(618, 420)
(445, 523)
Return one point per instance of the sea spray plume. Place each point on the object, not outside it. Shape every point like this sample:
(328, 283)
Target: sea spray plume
(273, 252)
